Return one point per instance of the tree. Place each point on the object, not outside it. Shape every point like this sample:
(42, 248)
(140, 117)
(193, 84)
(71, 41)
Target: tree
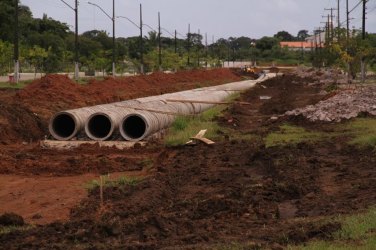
(6, 56)
(36, 55)
(302, 35)
(266, 43)
(284, 36)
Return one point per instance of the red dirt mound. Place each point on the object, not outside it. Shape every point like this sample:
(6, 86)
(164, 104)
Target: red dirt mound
(54, 93)
(18, 123)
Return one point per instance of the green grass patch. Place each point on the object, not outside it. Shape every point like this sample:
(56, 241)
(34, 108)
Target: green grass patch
(10, 229)
(122, 181)
(18, 85)
(361, 130)
(358, 232)
(290, 134)
(185, 127)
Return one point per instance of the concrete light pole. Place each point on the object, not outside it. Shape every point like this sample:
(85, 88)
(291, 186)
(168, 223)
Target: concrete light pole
(113, 32)
(76, 57)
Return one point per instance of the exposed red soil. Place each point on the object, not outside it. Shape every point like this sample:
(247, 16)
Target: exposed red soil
(24, 114)
(33, 160)
(43, 199)
(207, 196)
(56, 92)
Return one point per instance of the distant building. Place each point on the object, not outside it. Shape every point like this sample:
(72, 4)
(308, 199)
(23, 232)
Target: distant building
(237, 64)
(316, 39)
(298, 45)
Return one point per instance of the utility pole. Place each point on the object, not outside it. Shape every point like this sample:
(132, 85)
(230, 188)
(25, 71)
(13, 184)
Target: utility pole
(76, 57)
(159, 44)
(113, 40)
(347, 37)
(338, 21)
(228, 54)
(76, 68)
(189, 44)
(326, 32)
(198, 51)
(347, 23)
(363, 64)
(328, 29)
(206, 50)
(141, 44)
(175, 42)
(16, 49)
(113, 31)
(319, 47)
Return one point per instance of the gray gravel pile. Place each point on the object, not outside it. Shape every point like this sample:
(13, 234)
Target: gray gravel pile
(323, 76)
(345, 105)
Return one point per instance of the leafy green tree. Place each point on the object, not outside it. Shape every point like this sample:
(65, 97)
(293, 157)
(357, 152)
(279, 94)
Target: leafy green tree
(302, 35)
(6, 56)
(266, 43)
(36, 55)
(284, 36)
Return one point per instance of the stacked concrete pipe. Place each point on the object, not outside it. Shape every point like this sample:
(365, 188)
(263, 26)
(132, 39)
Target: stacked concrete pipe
(137, 119)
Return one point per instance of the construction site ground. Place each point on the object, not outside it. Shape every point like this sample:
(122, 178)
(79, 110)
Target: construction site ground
(248, 189)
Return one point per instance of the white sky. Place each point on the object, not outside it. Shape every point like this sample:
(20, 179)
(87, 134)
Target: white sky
(218, 18)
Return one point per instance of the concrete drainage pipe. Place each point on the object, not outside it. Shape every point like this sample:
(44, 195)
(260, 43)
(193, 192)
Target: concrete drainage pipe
(67, 124)
(139, 118)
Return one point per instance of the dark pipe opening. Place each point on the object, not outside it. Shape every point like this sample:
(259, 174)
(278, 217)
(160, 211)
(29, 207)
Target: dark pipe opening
(63, 125)
(99, 126)
(134, 127)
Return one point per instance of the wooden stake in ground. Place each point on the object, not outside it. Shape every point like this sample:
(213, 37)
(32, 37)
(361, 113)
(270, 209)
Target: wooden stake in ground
(200, 137)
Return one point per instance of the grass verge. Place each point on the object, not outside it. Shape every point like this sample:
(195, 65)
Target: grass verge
(358, 232)
(360, 131)
(290, 134)
(19, 85)
(185, 127)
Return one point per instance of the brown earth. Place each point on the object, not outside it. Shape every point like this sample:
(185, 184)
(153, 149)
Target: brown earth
(24, 114)
(207, 196)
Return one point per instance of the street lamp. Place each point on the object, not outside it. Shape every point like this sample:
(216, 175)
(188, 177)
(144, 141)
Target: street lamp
(174, 36)
(141, 41)
(113, 31)
(16, 49)
(75, 9)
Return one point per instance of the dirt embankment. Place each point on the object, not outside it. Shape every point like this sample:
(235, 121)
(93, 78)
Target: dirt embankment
(234, 191)
(24, 114)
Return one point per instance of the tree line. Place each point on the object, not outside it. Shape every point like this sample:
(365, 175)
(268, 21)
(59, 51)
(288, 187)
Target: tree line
(47, 45)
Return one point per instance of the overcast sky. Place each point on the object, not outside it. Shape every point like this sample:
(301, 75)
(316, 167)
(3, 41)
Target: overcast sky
(218, 18)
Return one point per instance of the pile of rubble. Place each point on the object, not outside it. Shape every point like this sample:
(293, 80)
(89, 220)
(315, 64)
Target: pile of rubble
(322, 76)
(345, 105)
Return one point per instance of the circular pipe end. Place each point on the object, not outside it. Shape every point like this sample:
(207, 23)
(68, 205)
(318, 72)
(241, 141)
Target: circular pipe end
(133, 127)
(63, 126)
(99, 127)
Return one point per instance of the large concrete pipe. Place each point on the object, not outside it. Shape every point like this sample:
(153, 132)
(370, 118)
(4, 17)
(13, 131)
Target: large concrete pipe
(67, 124)
(102, 121)
(141, 124)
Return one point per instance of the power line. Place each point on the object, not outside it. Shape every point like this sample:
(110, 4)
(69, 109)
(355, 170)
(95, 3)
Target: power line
(356, 6)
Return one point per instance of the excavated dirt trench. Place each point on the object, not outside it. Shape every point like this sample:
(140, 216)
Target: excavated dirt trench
(210, 196)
